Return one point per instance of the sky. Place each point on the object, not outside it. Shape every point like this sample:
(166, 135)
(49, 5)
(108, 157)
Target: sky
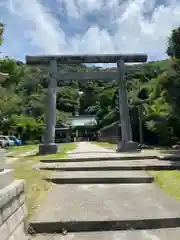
(36, 27)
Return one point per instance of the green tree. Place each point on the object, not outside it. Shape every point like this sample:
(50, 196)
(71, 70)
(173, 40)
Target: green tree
(14, 70)
(1, 33)
(27, 128)
(173, 49)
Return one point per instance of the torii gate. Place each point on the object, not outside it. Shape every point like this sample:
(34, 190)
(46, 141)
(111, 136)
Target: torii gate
(52, 62)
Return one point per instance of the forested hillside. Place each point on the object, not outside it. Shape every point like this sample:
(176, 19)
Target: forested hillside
(22, 97)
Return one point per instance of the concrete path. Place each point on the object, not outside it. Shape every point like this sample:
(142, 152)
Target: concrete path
(108, 206)
(105, 204)
(91, 150)
(88, 148)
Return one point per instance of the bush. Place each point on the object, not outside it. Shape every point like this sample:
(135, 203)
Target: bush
(32, 142)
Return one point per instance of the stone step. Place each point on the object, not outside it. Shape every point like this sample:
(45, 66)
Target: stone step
(105, 207)
(158, 234)
(146, 164)
(98, 157)
(87, 177)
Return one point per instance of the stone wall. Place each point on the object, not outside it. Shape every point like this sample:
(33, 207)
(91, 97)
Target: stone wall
(13, 211)
(110, 133)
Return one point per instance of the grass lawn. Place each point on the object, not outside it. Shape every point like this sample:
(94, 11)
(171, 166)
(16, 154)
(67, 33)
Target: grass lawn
(169, 181)
(36, 186)
(17, 150)
(105, 145)
(64, 148)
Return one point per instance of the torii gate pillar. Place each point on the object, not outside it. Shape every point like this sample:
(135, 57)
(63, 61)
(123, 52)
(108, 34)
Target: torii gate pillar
(125, 144)
(48, 146)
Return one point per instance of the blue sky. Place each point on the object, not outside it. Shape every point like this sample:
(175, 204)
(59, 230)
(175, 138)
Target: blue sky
(87, 26)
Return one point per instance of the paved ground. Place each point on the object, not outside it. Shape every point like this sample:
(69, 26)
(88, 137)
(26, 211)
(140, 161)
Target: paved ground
(103, 202)
(88, 150)
(105, 211)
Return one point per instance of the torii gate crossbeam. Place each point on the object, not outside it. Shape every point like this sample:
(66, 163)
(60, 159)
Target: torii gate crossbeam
(52, 61)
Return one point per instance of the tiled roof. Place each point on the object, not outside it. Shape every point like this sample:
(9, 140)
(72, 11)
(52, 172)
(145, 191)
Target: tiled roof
(85, 120)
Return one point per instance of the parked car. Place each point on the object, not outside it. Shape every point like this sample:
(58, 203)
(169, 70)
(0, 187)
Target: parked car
(16, 141)
(4, 143)
(11, 142)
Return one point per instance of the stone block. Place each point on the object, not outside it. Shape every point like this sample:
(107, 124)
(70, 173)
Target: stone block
(11, 237)
(15, 205)
(110, 133)
(24, 208)
(2, 159)
(4, 232)
(15, 220)
(12, 223)
(6, 178)
(48, 149)
(20, 187)
(6, 212)
(1, 218)
(11, 191)
(13, 211)
(20, 215)
(22, 199)
(127, 146)
(19, 233)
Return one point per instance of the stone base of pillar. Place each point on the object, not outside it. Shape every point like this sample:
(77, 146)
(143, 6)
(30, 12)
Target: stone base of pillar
(127, 146)
(48, 149)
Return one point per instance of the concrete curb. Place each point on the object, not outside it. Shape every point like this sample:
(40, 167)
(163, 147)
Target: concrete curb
(109, 158)
(92, 226)
(171, 158)
(111, 168)
(97, 180)
(97, 159)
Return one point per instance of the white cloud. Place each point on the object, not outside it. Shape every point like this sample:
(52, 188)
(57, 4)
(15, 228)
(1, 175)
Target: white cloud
(43, 30)
(81, 7)
(135, 29)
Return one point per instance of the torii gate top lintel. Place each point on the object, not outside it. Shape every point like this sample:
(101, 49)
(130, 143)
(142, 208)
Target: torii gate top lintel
(100, 58)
